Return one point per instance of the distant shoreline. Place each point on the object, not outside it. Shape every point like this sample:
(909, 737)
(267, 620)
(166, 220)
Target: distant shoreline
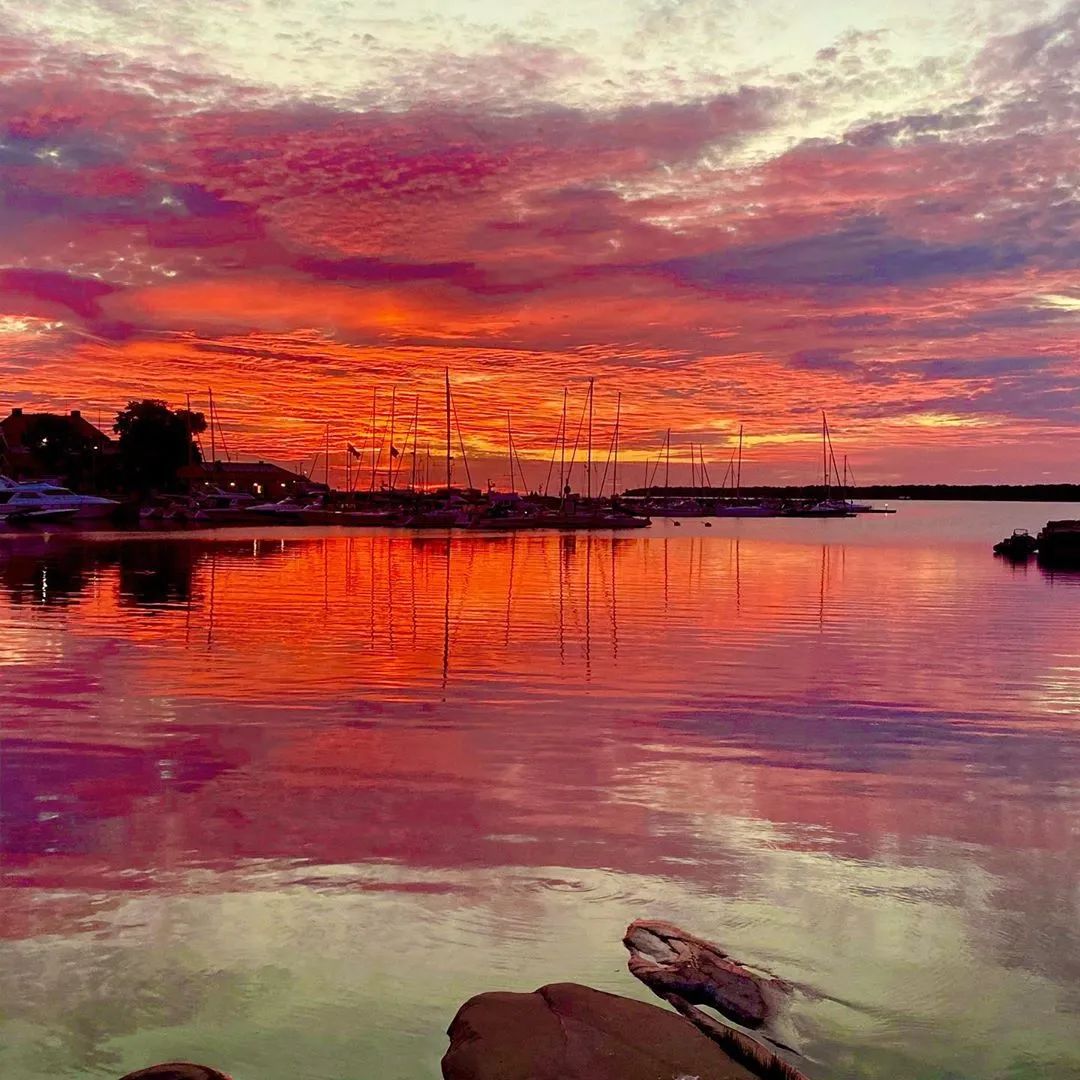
(935, 492)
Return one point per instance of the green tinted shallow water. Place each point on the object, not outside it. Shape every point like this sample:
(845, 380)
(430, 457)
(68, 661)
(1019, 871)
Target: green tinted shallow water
(281, 803)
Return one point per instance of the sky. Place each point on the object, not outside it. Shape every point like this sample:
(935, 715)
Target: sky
(724, 213)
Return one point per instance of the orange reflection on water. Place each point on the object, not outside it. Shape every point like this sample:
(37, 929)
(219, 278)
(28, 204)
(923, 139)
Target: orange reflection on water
(801, 744)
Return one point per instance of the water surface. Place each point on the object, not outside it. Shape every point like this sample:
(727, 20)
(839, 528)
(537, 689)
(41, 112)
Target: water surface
(282, 801)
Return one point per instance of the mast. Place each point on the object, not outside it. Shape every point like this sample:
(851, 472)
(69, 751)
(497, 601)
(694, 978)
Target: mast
(326, 456)
(213, 441)
(667, 465)
(588, 462)
(447, 433)
(415, 439)
(738, 473)
(374, 459)
(615, 456)
(825, 452)
(390, 455)
(510, 450)
(461, 443)
(562, 451)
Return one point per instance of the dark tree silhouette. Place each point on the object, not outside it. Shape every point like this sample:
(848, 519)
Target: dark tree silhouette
(156, 442)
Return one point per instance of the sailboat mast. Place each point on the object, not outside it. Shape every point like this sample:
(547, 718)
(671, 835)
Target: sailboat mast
(416, 439)
(448, 433)
(667, 465)
(825, 452)
(562, 449)
(390, 454)
(588, 463)
(326, 456)
(738, 473)
(510, 450)
(615, 457)
(374, 459)
(213, 440)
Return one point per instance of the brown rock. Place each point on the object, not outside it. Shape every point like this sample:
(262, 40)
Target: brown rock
(671, 961)
(176, 1070)
(569, 1032)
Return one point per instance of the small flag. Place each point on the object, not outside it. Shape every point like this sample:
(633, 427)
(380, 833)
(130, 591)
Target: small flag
(353, 450)
(395, 452)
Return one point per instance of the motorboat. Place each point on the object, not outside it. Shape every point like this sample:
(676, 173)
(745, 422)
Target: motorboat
(445, 517)
(225, 508)
(684, 508)
(369, 518)
(829, 508)
(745, 510)
(31, 515)
(598, 518)
(292, 511)
(1019, 545)
(50, 501)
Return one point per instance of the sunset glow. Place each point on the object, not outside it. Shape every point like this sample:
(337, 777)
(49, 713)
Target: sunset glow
(728, 214)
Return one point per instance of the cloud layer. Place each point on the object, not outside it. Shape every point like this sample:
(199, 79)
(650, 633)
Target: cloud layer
(885, 230)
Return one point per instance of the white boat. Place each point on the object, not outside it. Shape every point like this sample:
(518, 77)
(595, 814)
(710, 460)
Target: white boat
(42, 499)
(225, 508)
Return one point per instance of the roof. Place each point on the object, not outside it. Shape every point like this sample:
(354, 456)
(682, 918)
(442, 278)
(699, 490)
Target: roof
(239, 468)
(17, 423)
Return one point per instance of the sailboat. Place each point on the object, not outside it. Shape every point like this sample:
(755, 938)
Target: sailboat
(738, 508)
(590, 514)
(828, 506)
(455, 512)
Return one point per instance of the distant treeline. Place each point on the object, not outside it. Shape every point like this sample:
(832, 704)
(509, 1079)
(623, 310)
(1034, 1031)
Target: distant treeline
(985, 492)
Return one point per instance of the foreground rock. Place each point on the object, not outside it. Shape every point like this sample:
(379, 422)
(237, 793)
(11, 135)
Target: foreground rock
(176, 1070)
(570, 1032)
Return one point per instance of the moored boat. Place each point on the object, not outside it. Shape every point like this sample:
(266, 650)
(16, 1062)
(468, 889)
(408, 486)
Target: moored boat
(31, 516)
(41, 498)
(744, 510)
(226, 508)
(1059, 543)
(828, 508)
(1019, 545)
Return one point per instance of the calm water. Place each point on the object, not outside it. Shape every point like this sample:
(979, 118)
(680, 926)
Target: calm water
(280, 804)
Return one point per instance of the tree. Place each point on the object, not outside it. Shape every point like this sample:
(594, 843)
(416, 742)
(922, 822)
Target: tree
(156, 442)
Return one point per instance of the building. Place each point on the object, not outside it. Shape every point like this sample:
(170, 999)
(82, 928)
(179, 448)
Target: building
(34, 445)
(259, 478)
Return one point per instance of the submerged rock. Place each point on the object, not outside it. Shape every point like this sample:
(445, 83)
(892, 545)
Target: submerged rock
(668, 960)
(176, 1070)
(570, 1032)
(687, 971)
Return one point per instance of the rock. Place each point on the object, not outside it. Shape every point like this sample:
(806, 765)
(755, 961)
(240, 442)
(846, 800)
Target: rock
(570, 1032)
(671, 961)
(176, 1070)
(687, 971)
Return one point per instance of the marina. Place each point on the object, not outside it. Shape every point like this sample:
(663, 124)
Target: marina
(539, 542)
